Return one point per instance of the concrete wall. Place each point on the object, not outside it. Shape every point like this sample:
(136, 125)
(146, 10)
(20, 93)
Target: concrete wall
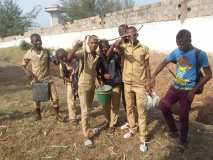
(157, 35)
(167, 10)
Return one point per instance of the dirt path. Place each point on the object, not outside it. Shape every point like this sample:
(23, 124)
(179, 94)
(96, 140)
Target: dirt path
(21, 138)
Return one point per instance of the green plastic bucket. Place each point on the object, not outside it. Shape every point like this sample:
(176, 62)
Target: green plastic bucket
(103, 95)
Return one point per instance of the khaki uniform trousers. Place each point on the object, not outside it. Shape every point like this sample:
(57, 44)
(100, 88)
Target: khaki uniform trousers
(71, 103)
(137, 93)
(54, 96)
(86, 95)
(112, 109)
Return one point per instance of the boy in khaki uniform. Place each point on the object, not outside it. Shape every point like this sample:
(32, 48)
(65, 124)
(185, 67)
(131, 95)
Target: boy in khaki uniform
(40, 59)
(86, 83)
(136, 78)
(67, 71)
(122, 29)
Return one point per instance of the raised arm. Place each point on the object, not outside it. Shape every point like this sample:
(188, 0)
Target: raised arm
(72, 53)
(115, 45)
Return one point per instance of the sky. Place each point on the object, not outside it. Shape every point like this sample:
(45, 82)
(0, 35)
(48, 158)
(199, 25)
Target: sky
(43, 18)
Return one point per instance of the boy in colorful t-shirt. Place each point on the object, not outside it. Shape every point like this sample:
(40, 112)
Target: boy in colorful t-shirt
(185, 85)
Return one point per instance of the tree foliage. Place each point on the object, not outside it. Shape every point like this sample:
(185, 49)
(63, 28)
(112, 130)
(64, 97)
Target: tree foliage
(78, 9)
(12, 20)
(25, 45)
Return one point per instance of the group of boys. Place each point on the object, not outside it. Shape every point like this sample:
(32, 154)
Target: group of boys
(124, 66)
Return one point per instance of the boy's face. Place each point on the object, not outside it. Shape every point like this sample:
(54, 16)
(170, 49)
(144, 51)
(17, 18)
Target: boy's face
(132, 34)
(62, 56)
(122, 31)
(104, 48)
(36, 42)
(183, 44)
(93, 44)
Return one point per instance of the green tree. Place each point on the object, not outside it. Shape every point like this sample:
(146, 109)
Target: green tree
(12, 20)
(106, 6)
(78, 9)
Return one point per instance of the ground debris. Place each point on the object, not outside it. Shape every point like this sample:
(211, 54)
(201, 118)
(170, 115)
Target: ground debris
(48, 157)
(58, 146)
(3, 130)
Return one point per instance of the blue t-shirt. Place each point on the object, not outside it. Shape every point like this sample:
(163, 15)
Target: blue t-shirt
(186, 67)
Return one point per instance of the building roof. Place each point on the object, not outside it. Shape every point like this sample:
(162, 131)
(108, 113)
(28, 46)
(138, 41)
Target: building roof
(54, 8)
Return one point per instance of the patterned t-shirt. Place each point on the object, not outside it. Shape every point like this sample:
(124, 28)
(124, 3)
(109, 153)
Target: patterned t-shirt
(186, 67)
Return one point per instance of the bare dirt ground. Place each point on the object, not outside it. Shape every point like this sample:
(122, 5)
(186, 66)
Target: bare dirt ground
(21, 138)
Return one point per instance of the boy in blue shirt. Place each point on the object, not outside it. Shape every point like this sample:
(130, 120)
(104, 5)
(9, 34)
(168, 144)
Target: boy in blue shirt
(189, 61)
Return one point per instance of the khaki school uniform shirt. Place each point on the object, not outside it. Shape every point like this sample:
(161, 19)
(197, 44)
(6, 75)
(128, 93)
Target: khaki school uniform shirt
(134, 64)
(87, 68)
(40, 63)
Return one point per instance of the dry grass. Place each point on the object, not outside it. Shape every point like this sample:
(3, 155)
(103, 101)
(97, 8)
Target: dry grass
(21, 138)
(11, 55)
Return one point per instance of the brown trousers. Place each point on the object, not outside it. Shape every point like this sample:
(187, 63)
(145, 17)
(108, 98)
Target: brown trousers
(112, 109)
(86, 95)
(137, 93)
(72, 111)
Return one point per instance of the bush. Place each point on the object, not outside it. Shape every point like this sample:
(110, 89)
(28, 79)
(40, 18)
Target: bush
(25, 45)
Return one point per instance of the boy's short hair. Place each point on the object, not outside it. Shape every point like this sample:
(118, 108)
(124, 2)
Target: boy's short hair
(34, 35)
(92, 37)
(60, 51)
(104, 42)
(123, 26)
(132, 27)
(183, 35)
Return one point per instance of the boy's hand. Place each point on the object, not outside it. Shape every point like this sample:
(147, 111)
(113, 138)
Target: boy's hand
(99, 84)
(79, 44)
(107, 76)
(34, 80)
